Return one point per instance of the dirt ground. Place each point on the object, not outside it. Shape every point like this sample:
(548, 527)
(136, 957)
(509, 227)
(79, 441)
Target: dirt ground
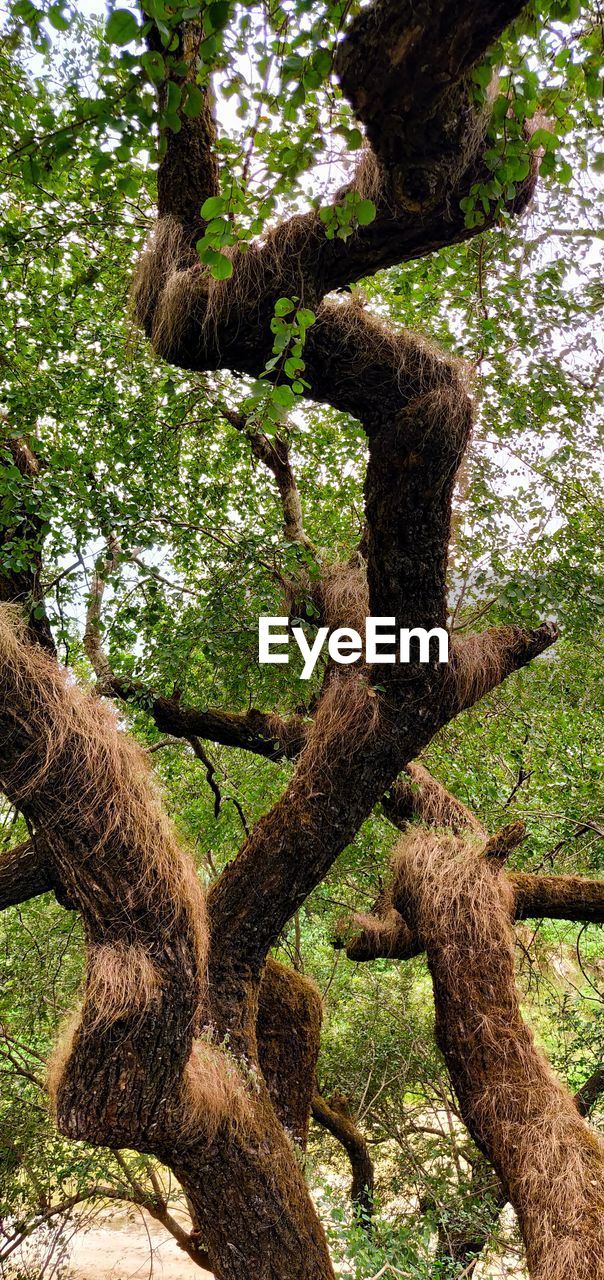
(122, 1245)
(119, 1249)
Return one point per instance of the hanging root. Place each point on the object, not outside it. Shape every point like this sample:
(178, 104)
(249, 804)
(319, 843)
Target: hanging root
(344, 596)
(88, 789)
(215, 1093)
(348, 714)
(122, 981)
(550, 1162)
(168, 286)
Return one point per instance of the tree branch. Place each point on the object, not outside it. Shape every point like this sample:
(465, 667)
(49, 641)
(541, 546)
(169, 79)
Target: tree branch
(421, 797)
(334, 1115)
(92, 634)
(404, 68)
(263, 733)
(385, 933)
(427, 155)
(479, 663)
(24, 874)
(275, 455)
(517, 1112)
(592, 1089)
(22, 585)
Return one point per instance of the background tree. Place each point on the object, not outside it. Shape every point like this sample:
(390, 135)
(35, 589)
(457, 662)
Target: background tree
(236, 277)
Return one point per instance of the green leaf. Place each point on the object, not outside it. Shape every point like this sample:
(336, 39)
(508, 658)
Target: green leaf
(212, 207)
(122, 27)
(283, 396)
(323, 61)
(365, 212)
(220, 266)
(154, 66)
(293, 66)
(543, 138)
(305, 317)
(193, 102)
(173, 98)
(283, 306)
(482, 75)
(57, 18)
(217, 15)
(354, 139)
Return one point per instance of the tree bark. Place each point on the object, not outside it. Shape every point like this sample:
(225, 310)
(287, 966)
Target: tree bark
(551, 1165)
(334, 1115)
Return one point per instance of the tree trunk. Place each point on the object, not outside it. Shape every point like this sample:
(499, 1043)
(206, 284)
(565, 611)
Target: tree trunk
(550, 1163)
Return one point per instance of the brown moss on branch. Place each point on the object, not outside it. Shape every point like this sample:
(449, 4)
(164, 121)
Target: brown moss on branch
(215, 1095)
(551, 1164)
(88, 789)
(483, 661)
(65, 762)
(424, 798)
(288, 1031)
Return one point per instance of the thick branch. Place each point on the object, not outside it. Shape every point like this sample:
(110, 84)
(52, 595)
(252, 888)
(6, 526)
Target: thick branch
(384, 934)
(557, 897)
(23, 875)
(479, 663)
(334, 1115)
(429, 138)
(421, 797)
(589, 1093)
(262, 733)
(188, 172)
(86, 791)
(20, 584)
(404, 68)
(551, 1165)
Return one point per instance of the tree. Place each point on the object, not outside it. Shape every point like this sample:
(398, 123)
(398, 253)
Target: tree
(192, 1044)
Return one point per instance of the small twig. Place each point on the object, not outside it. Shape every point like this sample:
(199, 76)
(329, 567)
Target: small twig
(210, 769)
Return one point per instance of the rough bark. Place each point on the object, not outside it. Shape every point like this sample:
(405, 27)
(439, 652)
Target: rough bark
(418, 797)
(288, 1031)
(462, 1243)
(135, 1070)
(550, 1163)
(23, 874)
(19, 583)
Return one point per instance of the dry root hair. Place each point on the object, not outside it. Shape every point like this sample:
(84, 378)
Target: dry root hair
(60, 1055)
(461, 905)
(215, 1093)
(437, 807)
(122, 982)
(348, 714)
(480, 662)
(72, 768)
(344, 596)
(88, 788)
